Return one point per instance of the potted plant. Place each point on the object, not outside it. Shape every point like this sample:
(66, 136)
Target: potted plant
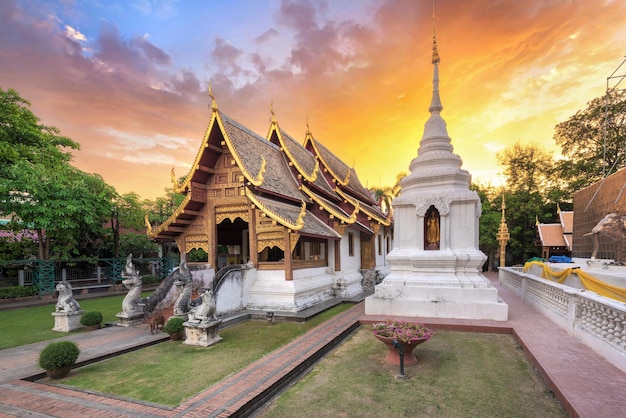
(91, 320)
(58, 358)
(175, 328)
(407, 334)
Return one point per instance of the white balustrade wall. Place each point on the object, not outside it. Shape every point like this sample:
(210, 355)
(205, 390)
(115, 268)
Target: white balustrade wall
(598, 322)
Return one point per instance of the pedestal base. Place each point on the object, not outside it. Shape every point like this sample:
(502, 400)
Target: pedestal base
(128, 319)
(437, 299)
(67, 322)
(202, 335)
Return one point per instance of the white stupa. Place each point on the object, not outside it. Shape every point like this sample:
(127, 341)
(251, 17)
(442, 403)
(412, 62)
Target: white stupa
(435, 263)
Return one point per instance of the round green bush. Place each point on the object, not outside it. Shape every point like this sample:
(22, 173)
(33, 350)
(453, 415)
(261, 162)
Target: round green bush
(91, 318)
(174, 325)
(58, 354)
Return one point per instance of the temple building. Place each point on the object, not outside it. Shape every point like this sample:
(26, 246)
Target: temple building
(296, 215)
(555, 239)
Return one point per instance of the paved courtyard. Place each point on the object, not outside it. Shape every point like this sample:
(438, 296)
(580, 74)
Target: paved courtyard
(586, 384)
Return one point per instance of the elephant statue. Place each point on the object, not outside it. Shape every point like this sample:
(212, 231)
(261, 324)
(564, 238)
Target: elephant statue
(613, 226)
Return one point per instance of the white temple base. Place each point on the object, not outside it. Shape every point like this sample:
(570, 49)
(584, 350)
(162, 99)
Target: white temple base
(437, 284)
(203, 335)
(67, 321)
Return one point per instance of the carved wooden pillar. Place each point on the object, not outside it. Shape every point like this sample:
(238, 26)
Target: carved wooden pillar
(288, 263)
(252, 238)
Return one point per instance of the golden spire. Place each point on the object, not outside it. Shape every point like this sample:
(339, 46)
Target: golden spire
(503, 235)
(213, 102)
(435, 103)
(435, 53)
(308, 129)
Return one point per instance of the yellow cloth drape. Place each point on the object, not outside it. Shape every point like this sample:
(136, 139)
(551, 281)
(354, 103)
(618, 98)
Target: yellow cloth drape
(589, 282)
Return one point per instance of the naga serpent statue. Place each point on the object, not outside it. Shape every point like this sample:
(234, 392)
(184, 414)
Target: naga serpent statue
(132, 281)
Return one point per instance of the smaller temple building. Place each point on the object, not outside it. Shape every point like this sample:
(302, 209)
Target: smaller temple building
(295, 214)
(556, 238)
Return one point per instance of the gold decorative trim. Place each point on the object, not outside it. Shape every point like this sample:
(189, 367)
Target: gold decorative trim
(364, 209)
(175, 185)
(344, 182)
(153, 233)
(350, 220)
(286, 223)
(293, 241)
(148, 224)
(197, 242)
(310, 177)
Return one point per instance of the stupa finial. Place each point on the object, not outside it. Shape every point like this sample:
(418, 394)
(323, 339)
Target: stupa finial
(435, 103)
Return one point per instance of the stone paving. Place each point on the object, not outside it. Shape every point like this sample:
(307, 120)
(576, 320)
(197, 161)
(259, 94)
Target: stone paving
(585, 383)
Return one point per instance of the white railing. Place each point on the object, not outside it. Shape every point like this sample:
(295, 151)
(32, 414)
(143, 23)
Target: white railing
(597, 321)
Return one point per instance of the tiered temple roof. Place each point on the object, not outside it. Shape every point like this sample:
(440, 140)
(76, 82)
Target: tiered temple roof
(303, 188)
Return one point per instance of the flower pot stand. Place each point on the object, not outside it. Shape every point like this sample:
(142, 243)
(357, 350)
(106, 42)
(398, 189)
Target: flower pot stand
(393, 355)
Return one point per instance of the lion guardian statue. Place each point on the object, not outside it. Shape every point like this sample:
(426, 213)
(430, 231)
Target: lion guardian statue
(66, 302)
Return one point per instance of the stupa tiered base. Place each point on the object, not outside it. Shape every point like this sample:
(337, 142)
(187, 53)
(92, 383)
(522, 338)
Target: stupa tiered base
(436, 284)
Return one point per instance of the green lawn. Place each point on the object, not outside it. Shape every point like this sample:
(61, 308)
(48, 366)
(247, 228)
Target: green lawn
(171, 372)
(34, 324)
(459, 374)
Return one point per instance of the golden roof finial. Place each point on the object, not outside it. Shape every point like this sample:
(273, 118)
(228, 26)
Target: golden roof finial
(272, 112)
(503, 208)
(213, 102)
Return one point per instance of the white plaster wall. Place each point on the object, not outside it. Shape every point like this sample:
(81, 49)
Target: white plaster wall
(270, 290)
(351, 263)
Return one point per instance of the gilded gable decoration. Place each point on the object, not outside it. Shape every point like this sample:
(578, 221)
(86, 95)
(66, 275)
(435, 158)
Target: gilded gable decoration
(200, 241)
(299, 223)
(231, 213)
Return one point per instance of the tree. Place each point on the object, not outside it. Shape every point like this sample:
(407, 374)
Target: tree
(23, 137)
(65, 206)
(489, 221)
(528, 168)
(385, 195)
(593, 140)
(533, 190)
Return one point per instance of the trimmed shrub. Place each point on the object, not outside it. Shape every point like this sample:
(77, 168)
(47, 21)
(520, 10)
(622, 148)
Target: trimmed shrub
(58, 354)
(17, 292)
(174, 325)
(91, 318)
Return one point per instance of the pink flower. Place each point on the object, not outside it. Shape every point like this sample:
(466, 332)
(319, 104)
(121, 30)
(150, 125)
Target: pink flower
(404, 331)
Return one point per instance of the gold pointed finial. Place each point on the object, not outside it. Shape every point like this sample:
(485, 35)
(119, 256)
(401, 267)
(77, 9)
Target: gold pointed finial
(503, 208)
(308, 129)
(213, 102)
(435, 53)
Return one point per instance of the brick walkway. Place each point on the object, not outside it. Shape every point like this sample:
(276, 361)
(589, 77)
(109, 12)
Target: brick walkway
(585, 383)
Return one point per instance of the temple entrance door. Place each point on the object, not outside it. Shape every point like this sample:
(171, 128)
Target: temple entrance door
(232, 242)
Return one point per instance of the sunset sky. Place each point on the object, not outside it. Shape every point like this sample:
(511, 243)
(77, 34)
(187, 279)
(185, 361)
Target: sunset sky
(128, 79)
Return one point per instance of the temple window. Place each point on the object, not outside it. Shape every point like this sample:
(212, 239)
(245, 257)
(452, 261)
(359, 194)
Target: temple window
(380, 245)
(350, 244)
